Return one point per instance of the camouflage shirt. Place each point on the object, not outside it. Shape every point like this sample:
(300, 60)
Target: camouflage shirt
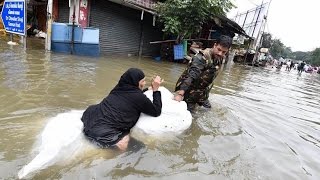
(197, 78)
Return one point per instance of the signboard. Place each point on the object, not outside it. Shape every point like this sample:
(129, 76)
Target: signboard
(83, 13)
(13, 16)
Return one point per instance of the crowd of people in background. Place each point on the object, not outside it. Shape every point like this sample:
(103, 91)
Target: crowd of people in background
(300, 66)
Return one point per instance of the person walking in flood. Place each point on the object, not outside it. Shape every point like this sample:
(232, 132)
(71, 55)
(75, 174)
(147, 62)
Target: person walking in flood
(288, 65)
(301, 67)
(196, 81)
(108, 123)
(291, 65)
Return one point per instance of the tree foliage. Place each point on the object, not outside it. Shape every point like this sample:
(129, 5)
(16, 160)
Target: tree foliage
(287, 52)
(315, 57)
(266, 40)
(277, 48)
(301, 56)
(186, 17)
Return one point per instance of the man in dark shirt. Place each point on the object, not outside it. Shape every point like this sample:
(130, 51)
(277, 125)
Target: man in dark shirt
(196, 81)
(301, 67)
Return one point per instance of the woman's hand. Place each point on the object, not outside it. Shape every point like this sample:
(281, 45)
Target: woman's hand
(156, 82)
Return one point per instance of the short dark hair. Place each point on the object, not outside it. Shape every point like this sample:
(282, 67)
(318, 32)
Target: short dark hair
(224, 41)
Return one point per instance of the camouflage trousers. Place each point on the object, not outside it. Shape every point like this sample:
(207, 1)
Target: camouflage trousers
(197, 96)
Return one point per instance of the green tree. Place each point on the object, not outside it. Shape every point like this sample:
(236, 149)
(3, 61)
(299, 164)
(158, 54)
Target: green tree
(301, 56)
(315, 57)
(277, 48)
(266, 40)
(287, 52)
(186, 17)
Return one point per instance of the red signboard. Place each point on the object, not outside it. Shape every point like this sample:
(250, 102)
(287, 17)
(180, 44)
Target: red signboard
(83, 13)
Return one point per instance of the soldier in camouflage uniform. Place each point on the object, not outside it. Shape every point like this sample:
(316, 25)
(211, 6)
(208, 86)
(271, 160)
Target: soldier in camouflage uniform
(196, 81)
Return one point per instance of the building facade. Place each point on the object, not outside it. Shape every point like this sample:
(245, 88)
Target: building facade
(126, 26)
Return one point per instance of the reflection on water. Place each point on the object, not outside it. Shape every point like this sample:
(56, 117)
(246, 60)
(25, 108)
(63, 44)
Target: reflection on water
(264, 123)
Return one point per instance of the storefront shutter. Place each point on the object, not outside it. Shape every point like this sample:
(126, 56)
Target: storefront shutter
(63, 11)
(120, 28)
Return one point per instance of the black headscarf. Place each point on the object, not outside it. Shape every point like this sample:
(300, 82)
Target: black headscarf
(129, 81)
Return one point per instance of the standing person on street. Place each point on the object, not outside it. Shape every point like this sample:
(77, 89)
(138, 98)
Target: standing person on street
(196, 81)
(291, 65)
(288, 65)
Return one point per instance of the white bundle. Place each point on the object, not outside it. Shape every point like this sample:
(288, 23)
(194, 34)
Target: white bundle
(174, 118)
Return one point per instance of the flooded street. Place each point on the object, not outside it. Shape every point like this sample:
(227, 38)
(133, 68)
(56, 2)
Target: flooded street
(264, 124)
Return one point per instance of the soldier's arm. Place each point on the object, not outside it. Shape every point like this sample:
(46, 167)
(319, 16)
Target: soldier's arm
(194, 72)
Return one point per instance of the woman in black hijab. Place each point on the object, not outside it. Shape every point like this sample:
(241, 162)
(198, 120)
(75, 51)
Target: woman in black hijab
(109, 122)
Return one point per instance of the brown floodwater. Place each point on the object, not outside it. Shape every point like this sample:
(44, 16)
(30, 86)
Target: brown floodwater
(264, 123)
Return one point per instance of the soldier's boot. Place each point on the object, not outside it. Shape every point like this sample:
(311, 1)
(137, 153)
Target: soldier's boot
(206, 104)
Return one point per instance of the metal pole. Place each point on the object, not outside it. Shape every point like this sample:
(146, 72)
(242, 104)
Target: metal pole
(73, 22)
(49, 25)
(260, 35)
(11, 37)
(245, 57)
(257, 19)
(245, 19)
(251, 24)
(141, 35)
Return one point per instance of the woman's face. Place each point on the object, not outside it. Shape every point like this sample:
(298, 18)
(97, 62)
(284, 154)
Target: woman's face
(142, 83)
